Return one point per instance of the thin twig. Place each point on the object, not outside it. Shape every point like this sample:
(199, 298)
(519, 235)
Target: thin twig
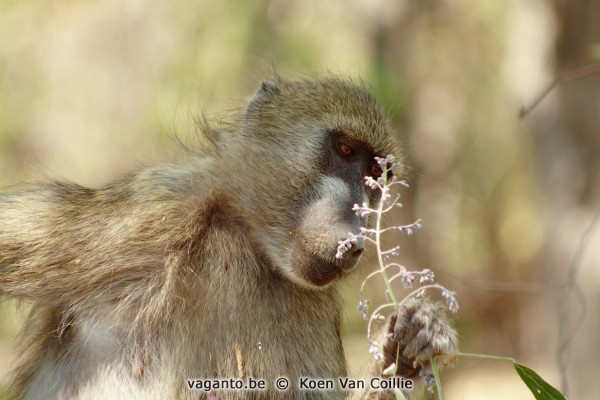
(564, 337)
(567, 76)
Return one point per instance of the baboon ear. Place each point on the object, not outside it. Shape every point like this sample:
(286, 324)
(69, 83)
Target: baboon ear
(264, 94)
(268, 88)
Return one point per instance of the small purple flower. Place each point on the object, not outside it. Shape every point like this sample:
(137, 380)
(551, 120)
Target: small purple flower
(363, 306)
(450, 298)
(429, 379)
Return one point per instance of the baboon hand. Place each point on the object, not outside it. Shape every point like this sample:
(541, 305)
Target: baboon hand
(417, 331)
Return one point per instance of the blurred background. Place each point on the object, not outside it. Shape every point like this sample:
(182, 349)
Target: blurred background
(90, 90)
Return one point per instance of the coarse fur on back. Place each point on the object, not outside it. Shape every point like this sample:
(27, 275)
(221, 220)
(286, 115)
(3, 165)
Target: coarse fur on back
(221, 265)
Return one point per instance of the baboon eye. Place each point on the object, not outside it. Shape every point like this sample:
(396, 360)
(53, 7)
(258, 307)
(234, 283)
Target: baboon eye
(345, 150)
(375, 171)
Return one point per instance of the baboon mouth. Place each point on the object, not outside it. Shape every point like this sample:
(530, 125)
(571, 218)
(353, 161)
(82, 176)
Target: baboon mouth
(321, 271)
(327, 271)
(350, 264)
(357, 253)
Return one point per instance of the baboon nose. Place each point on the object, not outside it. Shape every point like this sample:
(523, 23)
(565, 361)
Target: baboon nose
(358, 247)
(357, 252)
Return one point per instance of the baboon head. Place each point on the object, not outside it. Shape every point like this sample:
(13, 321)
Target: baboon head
(301, 161)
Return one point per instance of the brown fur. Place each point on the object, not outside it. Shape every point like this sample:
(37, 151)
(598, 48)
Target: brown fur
(220, 265)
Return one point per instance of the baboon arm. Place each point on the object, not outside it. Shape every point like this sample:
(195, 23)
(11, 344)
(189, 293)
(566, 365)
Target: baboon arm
(63, 244)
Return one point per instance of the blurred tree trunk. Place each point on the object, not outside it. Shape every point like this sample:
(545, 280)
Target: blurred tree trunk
(578, 31)
(568, 142)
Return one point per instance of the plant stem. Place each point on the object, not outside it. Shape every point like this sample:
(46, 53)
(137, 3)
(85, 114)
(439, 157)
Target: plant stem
(487, 357)
(388, 285)
(438, 381)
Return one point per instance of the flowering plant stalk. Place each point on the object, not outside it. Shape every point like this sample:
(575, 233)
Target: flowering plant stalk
(392, 271)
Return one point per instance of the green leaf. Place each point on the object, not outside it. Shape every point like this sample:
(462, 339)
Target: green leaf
(399, 395)
(391, 370)
(540, 388)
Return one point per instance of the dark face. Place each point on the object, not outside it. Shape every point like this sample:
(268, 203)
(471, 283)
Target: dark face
(329, 217)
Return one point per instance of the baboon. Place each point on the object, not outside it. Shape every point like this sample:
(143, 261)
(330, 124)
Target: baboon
(218, 266)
